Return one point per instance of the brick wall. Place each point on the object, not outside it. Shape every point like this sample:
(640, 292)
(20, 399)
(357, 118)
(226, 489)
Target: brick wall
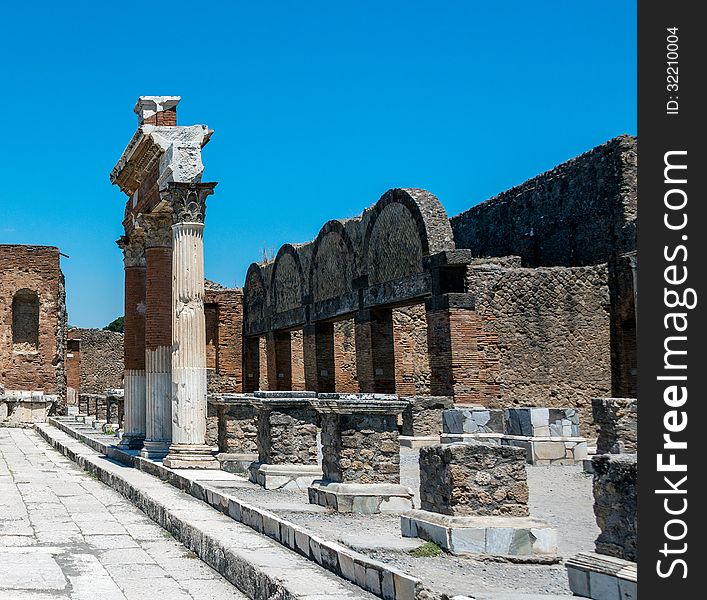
(412, 366)
(297, 354)
(345, 376)
(224, 339)
(34, 360)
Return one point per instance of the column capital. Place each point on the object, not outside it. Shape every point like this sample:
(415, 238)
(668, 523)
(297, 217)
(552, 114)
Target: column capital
(133, 247)
(187, 200)
(157, 228)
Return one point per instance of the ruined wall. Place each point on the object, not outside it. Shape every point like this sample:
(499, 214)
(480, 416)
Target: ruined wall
(224, 338)
(32, 319)
(546, 330)
(101, 359)
(582, 212)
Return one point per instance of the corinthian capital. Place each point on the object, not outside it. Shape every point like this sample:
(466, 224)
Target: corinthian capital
(188, 200)
(157, 228)
(133, 247)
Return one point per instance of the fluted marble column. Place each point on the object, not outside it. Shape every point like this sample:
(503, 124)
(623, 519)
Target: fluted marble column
(188, 449)
(134, 340)
(158, 334)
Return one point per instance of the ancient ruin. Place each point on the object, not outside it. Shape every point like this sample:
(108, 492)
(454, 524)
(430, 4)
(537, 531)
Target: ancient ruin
(404, 377)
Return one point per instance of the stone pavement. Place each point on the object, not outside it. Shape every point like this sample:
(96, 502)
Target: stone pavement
(64, 535)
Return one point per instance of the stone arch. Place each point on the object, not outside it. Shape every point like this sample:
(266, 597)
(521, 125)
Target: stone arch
(405, 225)
(255, 295)
(287, 281)
(25, 319)
(333, 264)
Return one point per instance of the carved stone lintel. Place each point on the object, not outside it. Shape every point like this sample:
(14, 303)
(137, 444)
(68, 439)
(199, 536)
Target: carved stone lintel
(158, 229)
(133, 247)
(188, 200)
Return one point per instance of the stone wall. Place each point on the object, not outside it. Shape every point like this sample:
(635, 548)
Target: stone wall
(100, 359)
(617, 420)
(238, 429)
(423, 416)
(544, 337)
(473, 479)
(360, 448)
(32, 319)
(615, 504)
(582, 212)
(287, 436)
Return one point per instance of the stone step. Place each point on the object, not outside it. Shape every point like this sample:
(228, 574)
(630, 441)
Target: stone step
(371, 575)
(257, 565)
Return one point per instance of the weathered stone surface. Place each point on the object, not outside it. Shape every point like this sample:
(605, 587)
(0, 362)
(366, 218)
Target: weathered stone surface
(473, 420)
(539, 422)
(617, 421)
(473, 479)
(616, 504)
(423, 415)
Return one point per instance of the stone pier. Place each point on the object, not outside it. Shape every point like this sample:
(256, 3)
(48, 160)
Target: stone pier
(474, 500)
(361, 454)
(237, 431)
(287, 440)
(188, 448)
(422, 420)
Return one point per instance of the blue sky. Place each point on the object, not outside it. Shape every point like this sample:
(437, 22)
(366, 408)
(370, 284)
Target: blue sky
(318, 108)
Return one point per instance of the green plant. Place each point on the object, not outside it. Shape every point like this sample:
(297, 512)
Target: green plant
(427, 550)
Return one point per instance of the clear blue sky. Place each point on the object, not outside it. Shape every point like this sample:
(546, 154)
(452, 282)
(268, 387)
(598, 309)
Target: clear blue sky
(318, 108)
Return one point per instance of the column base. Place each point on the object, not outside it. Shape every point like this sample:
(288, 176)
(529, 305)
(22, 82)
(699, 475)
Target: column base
(284, 477)
(131, 441)
(361, 498)
(489, 535)
(154, 450)
(601, 577)
(191, 456)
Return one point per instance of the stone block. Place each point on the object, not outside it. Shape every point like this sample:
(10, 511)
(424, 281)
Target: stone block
(490, 535)
(542, 422)
(472, 420)
(473, 479)
(364, 499)
(615, 504)
(602, 577)
(422, 416)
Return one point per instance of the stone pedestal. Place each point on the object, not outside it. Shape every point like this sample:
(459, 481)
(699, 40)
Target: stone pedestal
(602, 577)
(542, 422)
(22, 408)
(188, 448)
(474, 499)
(422, 420)
(237, 431)
(287, 440)
(472, 423)
(361, 454)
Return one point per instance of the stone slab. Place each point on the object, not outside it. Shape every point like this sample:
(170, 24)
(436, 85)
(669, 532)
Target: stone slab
(418, 441)
(494, 536)
(362, 498)
(284, 477)
(602, 577)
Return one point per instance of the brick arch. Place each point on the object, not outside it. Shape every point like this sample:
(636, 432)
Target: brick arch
(286, 280)
(255, 294)
(333, 261)
(404, 226)
(25, 319)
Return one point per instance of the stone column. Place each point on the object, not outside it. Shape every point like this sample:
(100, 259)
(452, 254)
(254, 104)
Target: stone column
(134, 340)
(188, 448)
(158, 334)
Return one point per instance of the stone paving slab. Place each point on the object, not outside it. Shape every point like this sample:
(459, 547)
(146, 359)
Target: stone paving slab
(79, 561)
(261, 567)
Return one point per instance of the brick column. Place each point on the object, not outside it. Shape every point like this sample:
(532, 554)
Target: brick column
(283, 360)
(375, 356)
(158, 334)
(134, 340)
(188, 448)
(462, 361)
(318, 350)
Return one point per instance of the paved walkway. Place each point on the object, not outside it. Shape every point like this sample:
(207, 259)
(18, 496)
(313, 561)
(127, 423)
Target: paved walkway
(64, 535)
